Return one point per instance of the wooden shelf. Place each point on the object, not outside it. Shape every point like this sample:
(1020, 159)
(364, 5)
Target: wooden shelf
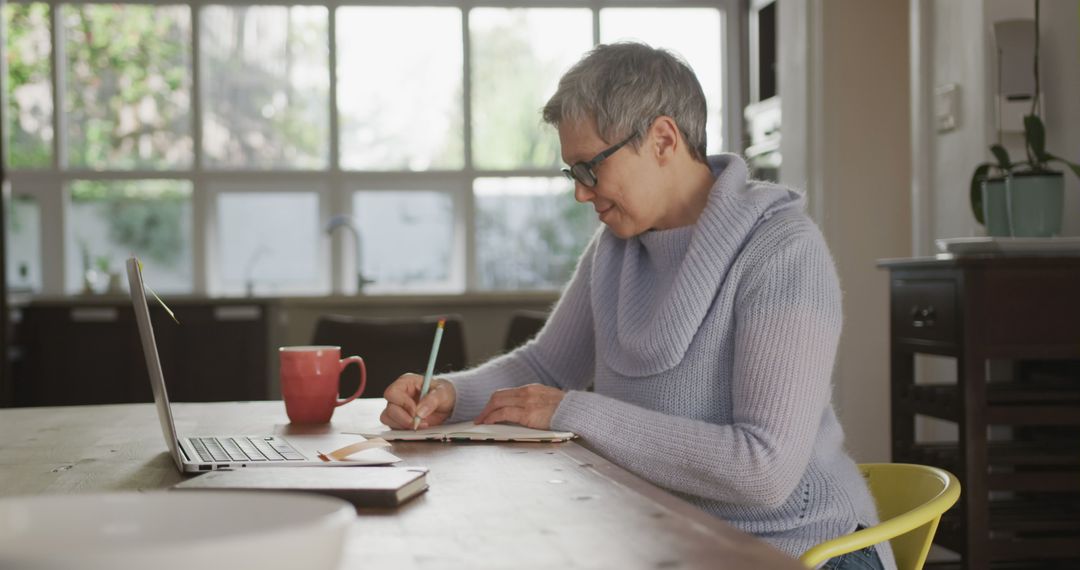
(1020, 498)
(1021, 527)
(1007, 403)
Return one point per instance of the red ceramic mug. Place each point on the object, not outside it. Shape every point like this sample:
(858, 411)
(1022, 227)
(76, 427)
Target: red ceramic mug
(310, 378)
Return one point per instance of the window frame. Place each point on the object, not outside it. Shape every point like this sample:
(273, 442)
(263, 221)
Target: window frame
(49, 186)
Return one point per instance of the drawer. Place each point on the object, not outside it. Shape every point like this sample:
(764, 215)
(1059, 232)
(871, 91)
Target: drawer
(924, 310)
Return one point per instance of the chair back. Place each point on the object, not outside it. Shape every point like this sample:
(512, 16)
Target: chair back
(391, 347)
(524, 325)
(910, 501)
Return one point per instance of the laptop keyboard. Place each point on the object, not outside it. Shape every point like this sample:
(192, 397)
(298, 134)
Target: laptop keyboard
(230, 449)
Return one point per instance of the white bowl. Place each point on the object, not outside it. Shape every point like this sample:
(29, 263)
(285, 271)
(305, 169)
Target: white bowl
(163, 530)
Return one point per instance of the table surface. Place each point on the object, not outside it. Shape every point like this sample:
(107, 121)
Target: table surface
(489, 505)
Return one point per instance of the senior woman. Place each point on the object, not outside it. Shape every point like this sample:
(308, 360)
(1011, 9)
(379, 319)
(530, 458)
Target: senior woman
(706, 313)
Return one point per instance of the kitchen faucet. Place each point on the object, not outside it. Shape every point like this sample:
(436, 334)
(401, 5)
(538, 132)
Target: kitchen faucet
(343, 221)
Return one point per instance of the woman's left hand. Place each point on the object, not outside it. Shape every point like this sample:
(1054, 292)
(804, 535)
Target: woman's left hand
(531, 405)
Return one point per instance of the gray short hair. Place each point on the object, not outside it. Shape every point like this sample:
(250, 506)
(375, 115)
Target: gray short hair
(625, 86)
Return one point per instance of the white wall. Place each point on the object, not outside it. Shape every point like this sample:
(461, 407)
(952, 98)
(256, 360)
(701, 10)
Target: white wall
(960, 44)
(845, 93)
(956, 48)
(1061, 82)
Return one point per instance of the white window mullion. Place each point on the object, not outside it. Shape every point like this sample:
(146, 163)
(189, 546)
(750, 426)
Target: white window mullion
(55, 199)
(201, 207)
(340, 266)
(58, 81)
(335, 152)
(340, 255)
(465, 215)
(733, 76)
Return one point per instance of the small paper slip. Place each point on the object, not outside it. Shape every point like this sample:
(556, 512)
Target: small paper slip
(341, 449)
(468, 431)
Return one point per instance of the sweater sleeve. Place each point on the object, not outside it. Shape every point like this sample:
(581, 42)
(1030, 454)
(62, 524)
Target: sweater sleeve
(562, 354)
(788, 321)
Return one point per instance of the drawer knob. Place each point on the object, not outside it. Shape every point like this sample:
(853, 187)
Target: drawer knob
(923, 317)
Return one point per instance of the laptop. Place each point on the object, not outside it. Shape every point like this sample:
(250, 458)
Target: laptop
(194, 454)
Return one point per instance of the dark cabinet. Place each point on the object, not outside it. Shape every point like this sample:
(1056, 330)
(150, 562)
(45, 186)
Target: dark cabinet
(90, 353)
(1013, 327)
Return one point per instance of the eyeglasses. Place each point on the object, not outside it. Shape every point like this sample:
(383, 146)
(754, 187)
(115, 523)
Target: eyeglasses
(583, 171)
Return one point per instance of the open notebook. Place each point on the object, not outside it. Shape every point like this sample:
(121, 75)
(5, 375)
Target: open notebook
(468, 431)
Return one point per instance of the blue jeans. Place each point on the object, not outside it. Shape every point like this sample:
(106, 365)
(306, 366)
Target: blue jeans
(865, 559)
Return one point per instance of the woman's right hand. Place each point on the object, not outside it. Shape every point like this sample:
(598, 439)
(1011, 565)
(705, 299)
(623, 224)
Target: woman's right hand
(401, 402)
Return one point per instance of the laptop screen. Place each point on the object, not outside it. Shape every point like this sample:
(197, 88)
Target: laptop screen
(153, 364)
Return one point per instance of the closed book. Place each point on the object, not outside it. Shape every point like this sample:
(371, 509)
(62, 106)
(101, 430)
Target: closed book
(362, 486)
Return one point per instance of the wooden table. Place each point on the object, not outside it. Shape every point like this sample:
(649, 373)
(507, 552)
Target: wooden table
(489, 505)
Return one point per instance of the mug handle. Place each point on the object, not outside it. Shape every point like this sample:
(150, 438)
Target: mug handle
(363, 377)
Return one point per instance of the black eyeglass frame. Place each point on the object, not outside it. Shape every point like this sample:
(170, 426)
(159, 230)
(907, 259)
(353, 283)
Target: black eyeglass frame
(583, 172)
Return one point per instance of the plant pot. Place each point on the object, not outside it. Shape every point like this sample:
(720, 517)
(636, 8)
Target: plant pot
(1036, 203)
(995, 204)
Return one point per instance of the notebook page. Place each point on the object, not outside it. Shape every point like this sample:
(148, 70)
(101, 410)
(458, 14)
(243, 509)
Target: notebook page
(471, 431)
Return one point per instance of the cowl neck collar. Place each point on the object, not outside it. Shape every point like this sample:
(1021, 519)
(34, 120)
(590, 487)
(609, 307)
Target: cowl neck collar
(650, 293)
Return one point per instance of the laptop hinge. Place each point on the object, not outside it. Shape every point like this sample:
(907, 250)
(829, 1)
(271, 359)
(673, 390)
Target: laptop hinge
(182, 452)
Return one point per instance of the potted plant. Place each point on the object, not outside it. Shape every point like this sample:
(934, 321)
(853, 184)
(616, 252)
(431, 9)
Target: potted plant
(1036, 195)
(989, 202)
(1033, 196)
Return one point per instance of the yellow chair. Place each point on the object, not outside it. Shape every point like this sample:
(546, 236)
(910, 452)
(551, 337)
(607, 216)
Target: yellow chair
(910, 501)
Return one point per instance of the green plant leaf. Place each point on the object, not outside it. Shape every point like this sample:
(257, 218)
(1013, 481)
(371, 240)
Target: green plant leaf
(1072, 165)
(1002, 157)
(975, 193)
(1035, 136)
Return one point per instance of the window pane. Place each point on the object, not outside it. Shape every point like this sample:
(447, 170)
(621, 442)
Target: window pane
(127, 100)
(29, 85)
(269, 242)
(111, 220)
(518, 56)
(266, 86)
(23, 242)
(408, 239)
(693, 33)
(529, 232)
(402, 112)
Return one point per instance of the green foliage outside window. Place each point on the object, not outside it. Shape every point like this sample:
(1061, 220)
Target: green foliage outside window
(29, 96)
(256, 112)
(128, 85)
(146, 215)
(509, 82)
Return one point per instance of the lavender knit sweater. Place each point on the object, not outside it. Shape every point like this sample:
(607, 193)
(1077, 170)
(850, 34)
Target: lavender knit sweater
(711, 349)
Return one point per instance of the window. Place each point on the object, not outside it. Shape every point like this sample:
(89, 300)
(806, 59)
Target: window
(408, 239)
(127, 92)
(419, 124)
(268, 242)
(222, 141)
(517, 62)
(28, 89)
(108, 221)
(529, 232)
(23, 244)
(265, 87)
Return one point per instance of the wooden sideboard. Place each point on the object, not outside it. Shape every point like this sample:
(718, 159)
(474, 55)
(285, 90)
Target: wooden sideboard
(89, 353)
(1013, 327)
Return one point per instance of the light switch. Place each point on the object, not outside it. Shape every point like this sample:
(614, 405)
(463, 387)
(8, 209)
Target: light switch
(946, 107)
